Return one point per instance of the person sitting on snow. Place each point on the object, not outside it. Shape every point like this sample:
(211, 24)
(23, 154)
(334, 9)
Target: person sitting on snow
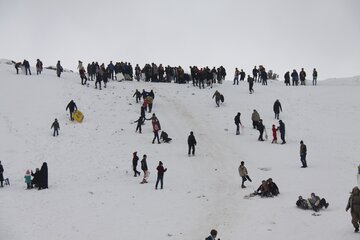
(263, 190)
(273, 188)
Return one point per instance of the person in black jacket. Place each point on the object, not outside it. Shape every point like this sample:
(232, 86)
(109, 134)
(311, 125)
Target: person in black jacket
(144, 167)
(277, 108)
(72, 107)
(135, 163)
(56, 127)
(212, 236)
(273, 188)
(36, 176)
(27, 67)
(165, 137)
(287, 78)
(302, 76)
(160, 175)
(281, 128)
(43, 176)
(237, 123)
(1, 175)
(191, 143)
(315, 75)
(303, 151)
(137, 94)
(260, 128)
(251, 84)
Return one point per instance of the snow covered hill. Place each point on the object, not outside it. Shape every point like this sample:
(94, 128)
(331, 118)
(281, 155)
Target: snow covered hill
(92, 192)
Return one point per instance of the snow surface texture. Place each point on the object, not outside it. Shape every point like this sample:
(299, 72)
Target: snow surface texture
(92, 192)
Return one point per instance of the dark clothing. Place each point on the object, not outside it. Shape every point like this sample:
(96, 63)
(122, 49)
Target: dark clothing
(135, 163)
(251, 84)
(282, 131)
(1, 175)
(140, 122)
(71, 106)
(277, 109)
(144, 166)
(35, 180)
(303, 151)
(27, 67)
(273, 188)
(260, 128)
(237, 123)
(160, 176)
(165, 137)
(191, 143)
(287, 78)
(43, 176)
(56, 127)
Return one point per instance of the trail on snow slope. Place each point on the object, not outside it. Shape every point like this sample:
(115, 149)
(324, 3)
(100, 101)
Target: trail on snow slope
(210, 153)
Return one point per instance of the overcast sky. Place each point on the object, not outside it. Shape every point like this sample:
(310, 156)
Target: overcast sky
(280, 34)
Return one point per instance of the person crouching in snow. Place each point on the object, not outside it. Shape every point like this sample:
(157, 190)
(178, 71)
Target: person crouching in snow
(56, 127)
(165, 137)
(274, 129)
(28, 179)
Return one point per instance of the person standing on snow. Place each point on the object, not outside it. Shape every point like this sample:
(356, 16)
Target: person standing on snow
(243, 174)
(260, 128)
(26, 64)
(139, 122)
(302, 76)
(59, 69)
(72, 107)
(281, 128)
(39, 66)
(303, 151)
(160, 175)
(251, 84)
(56, 127)
(255, 117)
(144, 167)
(43, 176)
(237, 123)
(274, 129)
(277, 108)
(315, 75)
(191, 143)
(135, 163)
(236, 76)
(354, 206)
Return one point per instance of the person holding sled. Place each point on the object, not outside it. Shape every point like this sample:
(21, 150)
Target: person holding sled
(72, 107)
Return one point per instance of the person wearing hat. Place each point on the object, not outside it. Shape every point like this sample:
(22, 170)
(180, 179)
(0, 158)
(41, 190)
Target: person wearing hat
(354, 206)
(56, 127)
(303, 151)
(160, 175)
(213, 234)
(28, 179)
(191, 143)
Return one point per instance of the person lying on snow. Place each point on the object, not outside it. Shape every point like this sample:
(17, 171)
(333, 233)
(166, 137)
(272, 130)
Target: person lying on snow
(314, 203)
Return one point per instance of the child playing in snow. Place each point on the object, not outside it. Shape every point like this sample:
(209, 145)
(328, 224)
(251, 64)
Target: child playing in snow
(274, 129)
(28, 179)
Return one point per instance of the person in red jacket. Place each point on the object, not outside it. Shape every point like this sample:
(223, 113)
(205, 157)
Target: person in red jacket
(160, 175)
(274, 129)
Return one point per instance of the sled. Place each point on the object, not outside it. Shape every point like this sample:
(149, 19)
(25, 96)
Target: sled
(119, 77)
(78, 116)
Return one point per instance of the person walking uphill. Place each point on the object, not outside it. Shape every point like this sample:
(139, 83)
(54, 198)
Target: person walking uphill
(277, 108)
(243, 174)
(191, 143)
(56, 127)
(354, 206)
(72, 107)
(160, 175)
(303, 151)
(135, 163)
(237, 123)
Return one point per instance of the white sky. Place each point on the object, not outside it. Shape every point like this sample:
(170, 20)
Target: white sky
(280, 34)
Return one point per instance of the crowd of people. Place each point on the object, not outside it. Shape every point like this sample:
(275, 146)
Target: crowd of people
(199, 77)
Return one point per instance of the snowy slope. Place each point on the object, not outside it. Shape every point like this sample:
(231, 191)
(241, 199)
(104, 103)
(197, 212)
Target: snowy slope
(92, 192)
